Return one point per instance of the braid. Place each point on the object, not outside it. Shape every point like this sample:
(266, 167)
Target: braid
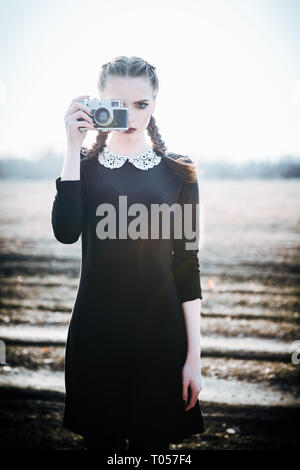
(181, 165)
(97, 146)
(158, 144)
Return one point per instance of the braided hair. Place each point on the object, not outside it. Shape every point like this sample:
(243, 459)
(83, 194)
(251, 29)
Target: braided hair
(123, 66)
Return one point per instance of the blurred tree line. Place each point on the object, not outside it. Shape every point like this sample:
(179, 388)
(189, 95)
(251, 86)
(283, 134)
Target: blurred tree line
(49, 165)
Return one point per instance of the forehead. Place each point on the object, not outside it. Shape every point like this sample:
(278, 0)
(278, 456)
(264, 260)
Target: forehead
(128, 89)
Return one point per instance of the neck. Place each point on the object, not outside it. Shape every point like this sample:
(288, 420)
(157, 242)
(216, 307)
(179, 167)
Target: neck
(123, 144)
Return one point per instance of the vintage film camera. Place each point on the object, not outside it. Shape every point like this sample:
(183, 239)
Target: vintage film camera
(108, 115)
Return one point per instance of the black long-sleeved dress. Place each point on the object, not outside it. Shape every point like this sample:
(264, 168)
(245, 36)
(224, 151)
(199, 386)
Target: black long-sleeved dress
(127, 338)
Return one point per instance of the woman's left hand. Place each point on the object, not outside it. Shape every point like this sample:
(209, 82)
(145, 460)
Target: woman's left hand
(191, 379)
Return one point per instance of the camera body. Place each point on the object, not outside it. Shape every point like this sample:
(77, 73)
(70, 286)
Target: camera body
(108, 115)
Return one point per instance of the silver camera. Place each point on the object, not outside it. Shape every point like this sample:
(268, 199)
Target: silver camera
(108, 115)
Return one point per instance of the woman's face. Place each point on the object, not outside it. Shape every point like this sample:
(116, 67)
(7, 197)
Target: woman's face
(137, 95)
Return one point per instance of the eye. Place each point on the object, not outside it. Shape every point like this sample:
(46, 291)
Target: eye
(142, 104)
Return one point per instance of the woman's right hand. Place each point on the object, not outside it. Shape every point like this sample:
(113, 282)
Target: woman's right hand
(77, 110)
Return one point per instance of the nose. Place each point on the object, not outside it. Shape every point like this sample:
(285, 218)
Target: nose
(131, 118)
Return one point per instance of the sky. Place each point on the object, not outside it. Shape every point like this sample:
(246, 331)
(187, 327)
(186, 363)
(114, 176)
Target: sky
(229, 71)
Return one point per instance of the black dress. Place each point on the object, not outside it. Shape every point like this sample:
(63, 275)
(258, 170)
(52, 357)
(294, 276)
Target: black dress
(127, 338)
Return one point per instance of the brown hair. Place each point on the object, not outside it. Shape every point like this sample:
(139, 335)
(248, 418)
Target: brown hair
(123, 66)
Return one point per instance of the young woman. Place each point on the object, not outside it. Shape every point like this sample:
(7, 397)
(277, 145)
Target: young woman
(133, 369)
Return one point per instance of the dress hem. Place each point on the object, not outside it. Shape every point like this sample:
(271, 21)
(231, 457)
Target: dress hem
(175, 439)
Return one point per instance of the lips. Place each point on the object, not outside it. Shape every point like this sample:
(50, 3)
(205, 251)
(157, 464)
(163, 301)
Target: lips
(130, 130)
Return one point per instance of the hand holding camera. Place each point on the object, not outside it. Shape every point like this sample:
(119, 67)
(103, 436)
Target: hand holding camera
(100, 115)
(77, 110)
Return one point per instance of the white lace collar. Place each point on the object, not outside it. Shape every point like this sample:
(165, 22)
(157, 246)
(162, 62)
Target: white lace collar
(144, 161)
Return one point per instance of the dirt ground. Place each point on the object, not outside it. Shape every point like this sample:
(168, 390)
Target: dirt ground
(36, 424)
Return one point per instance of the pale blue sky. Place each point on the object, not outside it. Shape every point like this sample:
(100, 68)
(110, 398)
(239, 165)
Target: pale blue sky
(232, 67)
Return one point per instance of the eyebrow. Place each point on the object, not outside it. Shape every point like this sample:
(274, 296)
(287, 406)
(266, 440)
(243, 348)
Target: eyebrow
(135, 102)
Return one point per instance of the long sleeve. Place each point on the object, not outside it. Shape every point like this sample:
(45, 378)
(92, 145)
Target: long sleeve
(68, 208)
(186, 267)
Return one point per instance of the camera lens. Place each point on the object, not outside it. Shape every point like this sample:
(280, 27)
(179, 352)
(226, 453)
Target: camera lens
(103, 116)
